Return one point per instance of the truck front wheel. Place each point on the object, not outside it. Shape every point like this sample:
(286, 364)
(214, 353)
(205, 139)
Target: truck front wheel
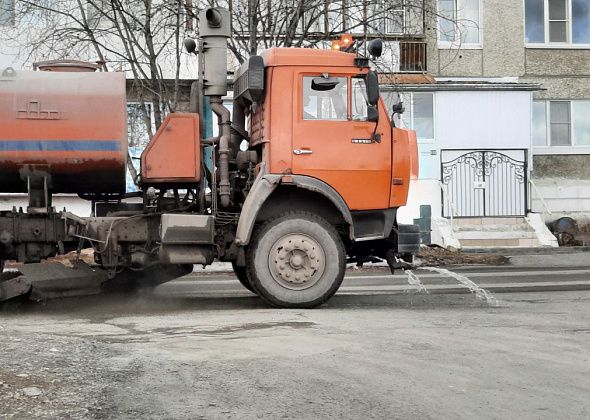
(242, 275)
(296, 260)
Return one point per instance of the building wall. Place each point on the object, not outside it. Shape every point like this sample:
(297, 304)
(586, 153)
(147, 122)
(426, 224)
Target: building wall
(501, 52)
(561, 174)
(483, 119)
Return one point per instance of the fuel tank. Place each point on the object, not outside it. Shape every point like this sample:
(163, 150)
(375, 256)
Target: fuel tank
(67, 126)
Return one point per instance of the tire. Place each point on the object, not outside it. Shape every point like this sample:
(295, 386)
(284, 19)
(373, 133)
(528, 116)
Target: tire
(242, 275)
(296, 260)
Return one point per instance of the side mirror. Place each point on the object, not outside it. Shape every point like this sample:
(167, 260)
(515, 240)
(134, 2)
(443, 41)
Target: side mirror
(324, 83)
(372, 114)
(190, 45)
(375, 48)
(398, 108)
(372, 88)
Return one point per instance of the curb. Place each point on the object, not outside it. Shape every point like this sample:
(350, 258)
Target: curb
(528, 251)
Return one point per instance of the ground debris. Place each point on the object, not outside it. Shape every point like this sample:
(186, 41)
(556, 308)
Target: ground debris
(435, 256)
(49, 385)
(86, 255)
(32, 391)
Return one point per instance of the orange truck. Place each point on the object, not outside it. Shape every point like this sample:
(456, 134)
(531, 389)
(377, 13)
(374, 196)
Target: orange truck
(308, 173)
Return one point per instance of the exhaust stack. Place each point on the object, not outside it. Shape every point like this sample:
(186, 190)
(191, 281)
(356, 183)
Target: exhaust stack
(214, 30)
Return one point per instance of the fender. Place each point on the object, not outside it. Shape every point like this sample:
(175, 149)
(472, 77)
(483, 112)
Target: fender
(263, 188)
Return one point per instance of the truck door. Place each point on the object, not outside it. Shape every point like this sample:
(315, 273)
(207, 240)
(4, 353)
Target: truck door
(334, 142)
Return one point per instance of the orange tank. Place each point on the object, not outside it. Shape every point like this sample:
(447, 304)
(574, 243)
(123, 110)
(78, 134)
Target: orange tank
(70, 127)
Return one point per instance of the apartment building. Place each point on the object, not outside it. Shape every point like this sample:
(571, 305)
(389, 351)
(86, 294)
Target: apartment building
(543, 42)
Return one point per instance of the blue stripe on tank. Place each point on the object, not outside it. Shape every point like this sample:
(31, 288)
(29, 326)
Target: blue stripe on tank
(60, 145)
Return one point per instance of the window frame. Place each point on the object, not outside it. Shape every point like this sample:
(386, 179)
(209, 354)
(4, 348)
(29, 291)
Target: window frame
(352, 98)
(355, 24)
(301, 111)
(551, 123)
(421, 140)
(547, 44)
(456, 43)
(548, 148)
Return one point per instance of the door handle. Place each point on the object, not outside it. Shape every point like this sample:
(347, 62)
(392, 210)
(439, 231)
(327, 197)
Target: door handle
(303, 151)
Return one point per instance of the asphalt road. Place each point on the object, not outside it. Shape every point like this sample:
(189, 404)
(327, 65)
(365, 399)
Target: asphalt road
(380, 281)
(202, 347)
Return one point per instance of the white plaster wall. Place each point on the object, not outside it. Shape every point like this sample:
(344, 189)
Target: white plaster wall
(562, 197)
(422, 192)
(483, 120)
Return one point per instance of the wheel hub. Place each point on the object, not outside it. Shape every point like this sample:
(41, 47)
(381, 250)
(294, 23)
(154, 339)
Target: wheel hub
(297, 261)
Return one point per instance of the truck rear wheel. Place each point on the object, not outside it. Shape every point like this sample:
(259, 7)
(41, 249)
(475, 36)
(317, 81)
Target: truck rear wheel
(242, 275)
(296, 260)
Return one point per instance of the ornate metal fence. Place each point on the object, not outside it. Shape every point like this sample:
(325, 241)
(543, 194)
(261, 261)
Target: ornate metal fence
(484, 182)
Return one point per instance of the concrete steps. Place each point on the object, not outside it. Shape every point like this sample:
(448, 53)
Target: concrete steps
(504, 232)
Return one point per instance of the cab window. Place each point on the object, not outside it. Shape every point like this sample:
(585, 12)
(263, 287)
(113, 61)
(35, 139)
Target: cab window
(359, 99)
(328, 104)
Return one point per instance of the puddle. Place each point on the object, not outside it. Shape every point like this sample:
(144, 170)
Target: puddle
(232, 328)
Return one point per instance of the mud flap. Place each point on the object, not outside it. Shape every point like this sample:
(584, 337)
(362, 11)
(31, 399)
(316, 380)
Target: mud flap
(407, 245)
(43, 281)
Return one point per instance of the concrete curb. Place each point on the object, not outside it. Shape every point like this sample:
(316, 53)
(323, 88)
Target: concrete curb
(529, 251)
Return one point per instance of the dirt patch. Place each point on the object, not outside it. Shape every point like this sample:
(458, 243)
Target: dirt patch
(86, 255)
(435, 256)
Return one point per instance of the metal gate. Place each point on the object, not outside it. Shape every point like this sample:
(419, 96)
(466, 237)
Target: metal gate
(484, 183)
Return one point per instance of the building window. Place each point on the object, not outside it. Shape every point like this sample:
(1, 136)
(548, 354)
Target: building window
(557, 22)
(382, 17)
(581, 122)
(422, 115)
(321, 17)
(418, 114)
(561, 123)
(539, 123)
(7, 13)
(138, 118)
(385, 17)
(459, 22)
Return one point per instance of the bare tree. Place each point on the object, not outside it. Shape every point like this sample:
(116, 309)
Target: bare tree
(261, 24)
(143, 37)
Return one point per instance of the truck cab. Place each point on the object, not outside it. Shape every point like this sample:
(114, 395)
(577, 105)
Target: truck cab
(326, 149)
